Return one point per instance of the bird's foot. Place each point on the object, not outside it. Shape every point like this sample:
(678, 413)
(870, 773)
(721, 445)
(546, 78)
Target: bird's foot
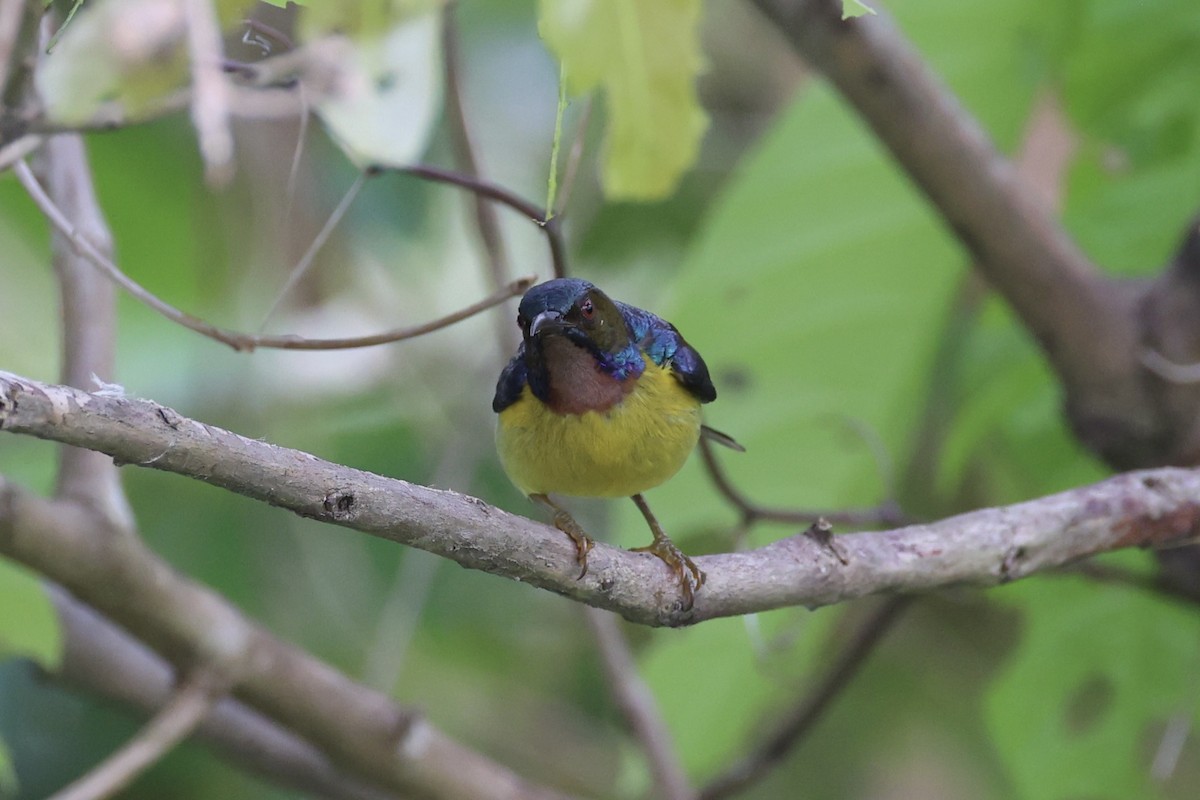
(583, 543)
(567, 524)
(690, 577)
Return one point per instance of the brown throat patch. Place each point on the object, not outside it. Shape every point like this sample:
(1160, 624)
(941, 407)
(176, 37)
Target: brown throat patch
(577, 384)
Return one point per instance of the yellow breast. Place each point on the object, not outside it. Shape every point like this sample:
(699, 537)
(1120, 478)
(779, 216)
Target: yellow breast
(633, 446)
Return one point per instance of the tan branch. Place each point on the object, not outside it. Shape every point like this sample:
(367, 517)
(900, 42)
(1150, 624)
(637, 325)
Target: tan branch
(637, 705)
(171, 725)
(361, 730)
(1086, 323)
(984, 547)
(102, 659)
(210, 91)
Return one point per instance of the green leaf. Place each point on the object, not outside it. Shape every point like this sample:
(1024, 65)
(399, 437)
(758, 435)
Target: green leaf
(1098, 669)
(646, 56)
(8, 774)
(125, 52)
(750, 666)
(855, 8)
(9, 785)
(28, 623)
(381, 86)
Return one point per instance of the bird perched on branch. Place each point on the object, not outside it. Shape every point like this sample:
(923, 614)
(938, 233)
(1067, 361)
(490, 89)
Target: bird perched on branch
(602, 399)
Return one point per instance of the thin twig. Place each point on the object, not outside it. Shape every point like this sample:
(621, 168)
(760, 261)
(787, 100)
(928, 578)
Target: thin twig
(465, 151)
(487, 223)
(574, 158)
(887, 513)
(243, 342)
(793, 728)
(210, 92)
(177, 719)
(637, 705)
(315, 246)
(18, 149)
(269, 31)
(558, 250)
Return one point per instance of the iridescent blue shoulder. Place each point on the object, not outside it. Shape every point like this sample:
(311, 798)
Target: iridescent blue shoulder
(665, 346)
(512, 382)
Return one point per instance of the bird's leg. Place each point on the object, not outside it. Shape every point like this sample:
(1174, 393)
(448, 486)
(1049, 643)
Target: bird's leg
(567, 524)
(690, 577)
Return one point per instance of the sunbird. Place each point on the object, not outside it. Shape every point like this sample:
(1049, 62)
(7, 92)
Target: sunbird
(602, 399)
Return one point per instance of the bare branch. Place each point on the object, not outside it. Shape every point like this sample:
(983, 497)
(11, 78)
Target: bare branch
(102, 659)
(174, 721)
(793, 727)
(18, 45)
(464, 150)
(1086, 324)
(984, 547)
(239, 341)
(482, 188)
(210, 91)
(89, 318)
(887, 513)
(637, 705)
(310, 255)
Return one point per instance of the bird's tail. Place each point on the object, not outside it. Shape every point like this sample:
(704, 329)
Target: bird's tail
(714, 435)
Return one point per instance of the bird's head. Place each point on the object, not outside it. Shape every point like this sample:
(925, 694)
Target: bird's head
(577, 311)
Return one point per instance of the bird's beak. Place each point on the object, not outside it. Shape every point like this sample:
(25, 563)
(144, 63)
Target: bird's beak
(547, 321)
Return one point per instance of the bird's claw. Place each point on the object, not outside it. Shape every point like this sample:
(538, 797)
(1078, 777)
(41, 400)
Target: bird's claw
(583, 543)
(690, 577)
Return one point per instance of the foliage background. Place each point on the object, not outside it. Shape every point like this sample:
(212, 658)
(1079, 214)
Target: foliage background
(823, 292)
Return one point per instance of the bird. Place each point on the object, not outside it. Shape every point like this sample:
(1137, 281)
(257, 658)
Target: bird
(602, 399)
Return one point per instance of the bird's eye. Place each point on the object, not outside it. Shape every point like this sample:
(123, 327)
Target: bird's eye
(521, 322)
(587, 309)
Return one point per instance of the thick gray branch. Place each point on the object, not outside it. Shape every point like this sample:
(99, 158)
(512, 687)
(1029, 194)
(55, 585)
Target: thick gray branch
(361, 730)
(1086, 323)
(984, 547)
(102, 659)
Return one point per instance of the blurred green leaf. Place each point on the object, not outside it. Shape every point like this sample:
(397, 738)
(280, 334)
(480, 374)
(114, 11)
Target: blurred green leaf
(855, 8)
(714, 688)
(8, 775)
(1130, 74)
(381, 82)
(1096, 669)
(28, 624)
(127, 52)
(646, 56)
(1145, 99)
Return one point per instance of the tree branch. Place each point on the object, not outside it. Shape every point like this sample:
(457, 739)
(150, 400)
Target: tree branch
(101, 659)
(89, 318)
(192, 701)
(637, 705)
(983, 547)
(800, 721)
(360, 729)
(1086, 324)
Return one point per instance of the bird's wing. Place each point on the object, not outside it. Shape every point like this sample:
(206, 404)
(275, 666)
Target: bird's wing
(512, 382)
(665, 346)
